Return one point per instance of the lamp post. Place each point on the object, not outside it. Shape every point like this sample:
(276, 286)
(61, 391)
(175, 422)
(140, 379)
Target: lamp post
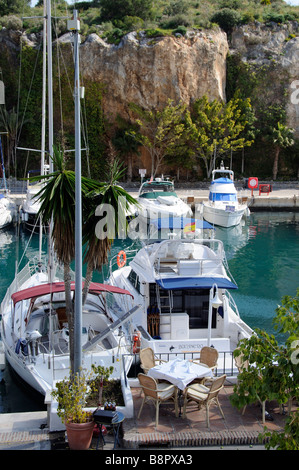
(215, 302)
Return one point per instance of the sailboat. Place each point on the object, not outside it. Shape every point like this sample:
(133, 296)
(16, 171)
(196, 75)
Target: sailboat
(34, 326)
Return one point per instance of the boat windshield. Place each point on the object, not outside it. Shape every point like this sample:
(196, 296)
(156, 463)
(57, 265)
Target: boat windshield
(223, 197)
(154, 190)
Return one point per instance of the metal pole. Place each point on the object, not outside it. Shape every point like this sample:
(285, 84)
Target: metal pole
(50, 129)
(78, 210)
(210, 315)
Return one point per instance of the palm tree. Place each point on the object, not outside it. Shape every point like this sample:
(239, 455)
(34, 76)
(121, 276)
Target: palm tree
(107, 195)
(282, 137)
(57, 199)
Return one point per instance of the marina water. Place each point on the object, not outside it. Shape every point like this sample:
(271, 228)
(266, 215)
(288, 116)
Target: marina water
(263, 258)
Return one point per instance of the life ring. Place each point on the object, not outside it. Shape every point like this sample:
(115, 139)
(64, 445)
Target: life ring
(121, 259)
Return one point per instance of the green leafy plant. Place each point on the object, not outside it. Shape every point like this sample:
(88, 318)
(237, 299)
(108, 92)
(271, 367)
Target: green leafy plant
(74, 394)
(272, 371)
(72, 397)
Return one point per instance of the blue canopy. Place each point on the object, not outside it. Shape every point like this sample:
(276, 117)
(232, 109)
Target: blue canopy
(195, 283)
(222, 180)
(179, 223)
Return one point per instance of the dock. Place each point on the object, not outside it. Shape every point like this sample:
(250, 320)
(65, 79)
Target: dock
(28, 431)
(282, 196)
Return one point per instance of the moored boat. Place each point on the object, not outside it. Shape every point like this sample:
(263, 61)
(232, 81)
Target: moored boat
(223, 208)
(157, 198)
(177, 281)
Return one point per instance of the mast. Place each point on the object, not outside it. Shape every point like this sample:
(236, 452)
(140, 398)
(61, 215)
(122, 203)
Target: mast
(43, 136)
(50, 126)
(74, 25)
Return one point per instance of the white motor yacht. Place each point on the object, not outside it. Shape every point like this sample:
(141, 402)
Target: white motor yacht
(223, 208)
(176, 282)
(157, 198)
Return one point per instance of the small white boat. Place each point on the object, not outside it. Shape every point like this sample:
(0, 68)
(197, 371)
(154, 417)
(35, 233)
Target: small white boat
(223, 207)
(7, 211)
(158, 198)
(176, 282)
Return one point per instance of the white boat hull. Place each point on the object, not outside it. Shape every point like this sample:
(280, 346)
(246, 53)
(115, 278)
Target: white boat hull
(222, 216)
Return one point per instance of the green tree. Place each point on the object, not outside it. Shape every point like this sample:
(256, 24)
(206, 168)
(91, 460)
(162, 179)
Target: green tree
(118, 9)
(161, 132)
(126, 144)
(273, 370)
(8, 7)
(218, 128)
(282, 137)
(226, 18)
(10, 122)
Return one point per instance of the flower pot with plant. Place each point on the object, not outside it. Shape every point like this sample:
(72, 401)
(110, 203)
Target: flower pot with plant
(71, 395)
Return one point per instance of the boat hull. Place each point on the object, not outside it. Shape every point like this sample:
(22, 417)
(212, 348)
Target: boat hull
(222, 216)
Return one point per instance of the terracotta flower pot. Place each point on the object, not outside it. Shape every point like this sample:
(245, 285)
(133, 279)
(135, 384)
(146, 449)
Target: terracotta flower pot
(79, 435)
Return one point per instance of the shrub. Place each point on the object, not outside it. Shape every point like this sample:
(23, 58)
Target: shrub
(180, 30)
(11, 22)
(226, 19)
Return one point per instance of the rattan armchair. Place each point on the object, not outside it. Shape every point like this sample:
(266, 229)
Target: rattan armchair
(157, 393)
(204, 396)
(148, 359)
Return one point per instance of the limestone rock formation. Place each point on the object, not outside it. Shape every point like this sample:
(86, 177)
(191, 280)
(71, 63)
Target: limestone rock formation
(261, 44)
(150, 71)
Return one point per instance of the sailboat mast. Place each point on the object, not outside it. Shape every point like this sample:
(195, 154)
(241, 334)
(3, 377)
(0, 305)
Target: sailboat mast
(43, 136)
(74, 25)
(50, 127)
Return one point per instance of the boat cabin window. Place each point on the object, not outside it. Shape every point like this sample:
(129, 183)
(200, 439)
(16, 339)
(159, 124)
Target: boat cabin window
(195, 302)
(223, 197)
(134, 280)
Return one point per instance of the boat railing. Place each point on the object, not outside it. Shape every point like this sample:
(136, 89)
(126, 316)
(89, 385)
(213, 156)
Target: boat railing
(231, 302)
(226, 363)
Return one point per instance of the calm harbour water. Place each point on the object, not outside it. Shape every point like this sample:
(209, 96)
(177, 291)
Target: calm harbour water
(263, 258)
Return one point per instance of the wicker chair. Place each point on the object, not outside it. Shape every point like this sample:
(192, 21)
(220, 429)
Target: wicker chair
(204, 396)
(158, 393)
(208, 357)
(148, 359)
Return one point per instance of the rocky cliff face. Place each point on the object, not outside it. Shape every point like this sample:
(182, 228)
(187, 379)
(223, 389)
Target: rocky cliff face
(260, 45)
(150, 71)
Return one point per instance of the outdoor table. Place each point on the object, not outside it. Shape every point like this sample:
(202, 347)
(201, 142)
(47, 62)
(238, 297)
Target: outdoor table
(180, 372)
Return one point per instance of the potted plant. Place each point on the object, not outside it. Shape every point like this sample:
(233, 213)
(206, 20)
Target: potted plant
(71, 395)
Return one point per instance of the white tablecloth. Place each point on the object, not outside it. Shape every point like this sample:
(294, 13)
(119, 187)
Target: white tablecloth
(179, 372)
